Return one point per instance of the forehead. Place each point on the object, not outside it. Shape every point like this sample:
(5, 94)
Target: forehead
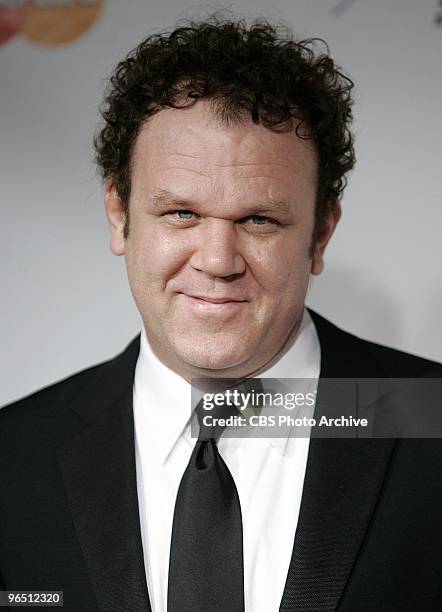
(191, 144)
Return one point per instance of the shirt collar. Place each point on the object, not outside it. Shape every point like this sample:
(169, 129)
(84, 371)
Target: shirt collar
(165, 397)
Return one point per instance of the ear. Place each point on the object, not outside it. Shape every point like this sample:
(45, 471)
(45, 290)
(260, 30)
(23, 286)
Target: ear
(115, 217)
(326, 232)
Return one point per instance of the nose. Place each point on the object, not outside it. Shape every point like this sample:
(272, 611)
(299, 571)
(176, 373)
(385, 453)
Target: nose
(216, 252)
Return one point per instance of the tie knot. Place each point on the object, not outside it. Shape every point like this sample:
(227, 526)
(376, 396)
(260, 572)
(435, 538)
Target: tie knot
(218, 407)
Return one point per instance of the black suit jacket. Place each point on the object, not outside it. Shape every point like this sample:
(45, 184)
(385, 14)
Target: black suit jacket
(369, 534)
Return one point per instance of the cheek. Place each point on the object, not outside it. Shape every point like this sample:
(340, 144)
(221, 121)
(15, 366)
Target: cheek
(283, 267)
(283, 278)
(155, 255)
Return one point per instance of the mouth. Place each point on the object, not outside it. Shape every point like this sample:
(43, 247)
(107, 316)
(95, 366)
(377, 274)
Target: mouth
(209, 305)
(212, 300)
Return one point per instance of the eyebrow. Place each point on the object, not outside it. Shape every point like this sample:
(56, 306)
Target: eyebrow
(165, 200)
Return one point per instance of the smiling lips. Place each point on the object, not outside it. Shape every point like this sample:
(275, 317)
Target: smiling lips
(211, 300)
(207, 305)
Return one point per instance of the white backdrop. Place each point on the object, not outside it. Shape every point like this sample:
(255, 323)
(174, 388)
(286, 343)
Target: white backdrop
(65, 299)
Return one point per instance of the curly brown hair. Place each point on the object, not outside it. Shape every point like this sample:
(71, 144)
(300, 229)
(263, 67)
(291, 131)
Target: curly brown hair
(259, 71)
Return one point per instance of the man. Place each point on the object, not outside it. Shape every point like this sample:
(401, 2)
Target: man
(224, 152)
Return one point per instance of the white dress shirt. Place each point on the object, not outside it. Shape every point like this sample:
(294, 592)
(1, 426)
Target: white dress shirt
(268, 473)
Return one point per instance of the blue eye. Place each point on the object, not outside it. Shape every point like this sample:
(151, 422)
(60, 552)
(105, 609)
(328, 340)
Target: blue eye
(184, 214)
(259, 220)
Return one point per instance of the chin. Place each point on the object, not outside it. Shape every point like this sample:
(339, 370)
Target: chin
(212, 357)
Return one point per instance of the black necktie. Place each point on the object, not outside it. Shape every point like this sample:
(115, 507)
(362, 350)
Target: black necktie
(206, 571)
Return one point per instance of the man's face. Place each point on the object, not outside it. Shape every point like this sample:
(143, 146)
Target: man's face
(221, 220)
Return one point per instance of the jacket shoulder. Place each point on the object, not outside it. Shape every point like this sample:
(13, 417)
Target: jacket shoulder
(49, 403)
(53, 396)
(32, 429)
(403, 363)
(389, 361)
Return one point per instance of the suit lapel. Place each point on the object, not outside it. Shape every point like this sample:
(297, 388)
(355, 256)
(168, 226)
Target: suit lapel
(98, 468)
(341, 488)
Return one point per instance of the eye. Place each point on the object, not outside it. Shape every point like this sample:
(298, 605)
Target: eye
(185, 215)
(181, 215)
(260, 221)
